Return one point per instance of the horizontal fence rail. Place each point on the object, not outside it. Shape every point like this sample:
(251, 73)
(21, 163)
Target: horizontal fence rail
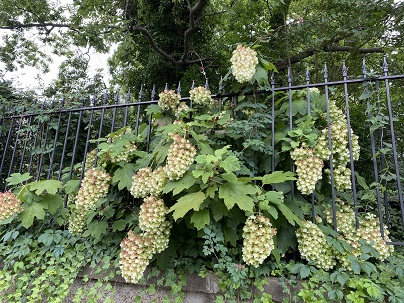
(52, 142)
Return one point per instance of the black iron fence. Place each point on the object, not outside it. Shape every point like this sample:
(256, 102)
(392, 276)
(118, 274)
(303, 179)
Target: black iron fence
(52, 141)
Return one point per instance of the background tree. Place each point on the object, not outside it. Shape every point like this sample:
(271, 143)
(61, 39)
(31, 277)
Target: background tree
(167, 41)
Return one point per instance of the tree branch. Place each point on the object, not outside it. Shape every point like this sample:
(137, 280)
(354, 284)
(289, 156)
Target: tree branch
(333, 48)
(153, 44)
(38, 25)
(194, 13)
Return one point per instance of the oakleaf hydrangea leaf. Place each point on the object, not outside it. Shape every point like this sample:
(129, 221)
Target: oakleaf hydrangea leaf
(186, 203)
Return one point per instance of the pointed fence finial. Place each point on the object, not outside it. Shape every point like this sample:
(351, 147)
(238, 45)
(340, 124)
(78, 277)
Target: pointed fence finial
(273, 79)
(92, 100)
(140, 93)
(364, 68)
(179, 88)
(207, 84)
(221, 85)
(385, 65)
(128, 96)
(344, 69)
(104, 100)
(307, 75)
(153, 92)
(289, 75)
(166, 87)
(193, 84)
(325, 71)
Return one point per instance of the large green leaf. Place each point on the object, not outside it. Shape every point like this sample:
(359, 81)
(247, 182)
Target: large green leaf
(289, 215)
(278, 177)
(50, 186)
(230, 164)
(237, 193)
(53, 202)
(17, 178)
(178, 186)
(186, 203)
(200, 218)
(72, 186)
(123, 176)
(32, 210)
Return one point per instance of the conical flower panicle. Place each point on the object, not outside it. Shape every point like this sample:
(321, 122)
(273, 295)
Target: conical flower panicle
(135, 255)
(9, 205)
(258, 240)
(169, 99)
(308, 168)
(201, 95)
(313, 245)
(152, 214)
(94, 186)
(243, 63)
(180, 156)
(148, 182)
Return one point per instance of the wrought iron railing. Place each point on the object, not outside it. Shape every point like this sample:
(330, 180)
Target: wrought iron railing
(52, 142)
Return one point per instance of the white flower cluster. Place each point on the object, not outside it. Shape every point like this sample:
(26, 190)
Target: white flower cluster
(308, 168)
(152, 220)
(134, 257)
(201, 95)
(182, 110)
(340, 147)
(90, 159)
(94, 186)
(9, 205)
(243, 63)
(258, 240)
(129, 149)
(369, 231)
(313, 245)
(137, 250)
(180, 156)
(169, 99)
(148, 182)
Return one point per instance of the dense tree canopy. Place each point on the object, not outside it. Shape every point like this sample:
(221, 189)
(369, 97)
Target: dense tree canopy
(171, 40)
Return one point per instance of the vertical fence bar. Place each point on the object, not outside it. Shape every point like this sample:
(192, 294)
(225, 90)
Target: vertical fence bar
(28, 135)
(273, 124)
(43, 147)
(62, 158)
(327, 105)
(125, 117)
(149, 125)
(6, 146)
(89, 128)
(348, 119)
(382, 161)
(290, 92)
(383, 169)
(313, 213)
(10, 168)
(76, 139)
(138, 110)
(104, 101)
(393, 139)
(220, 100)
(114, 112)
(373, 149)
(35, 138)
(55, 140)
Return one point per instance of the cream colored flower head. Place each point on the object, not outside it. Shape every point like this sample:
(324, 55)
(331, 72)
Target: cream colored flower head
(243, 63)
